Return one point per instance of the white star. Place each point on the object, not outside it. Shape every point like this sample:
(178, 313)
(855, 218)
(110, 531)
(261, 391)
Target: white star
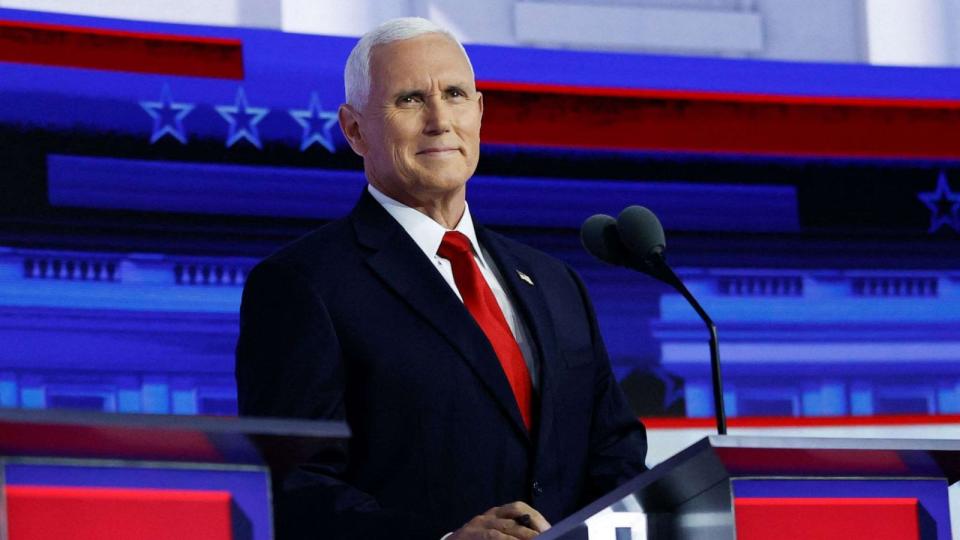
(167, 116)
(243, 119)
(316, 124)
(944, 205)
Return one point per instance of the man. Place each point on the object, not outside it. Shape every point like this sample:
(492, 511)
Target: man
(469, 367)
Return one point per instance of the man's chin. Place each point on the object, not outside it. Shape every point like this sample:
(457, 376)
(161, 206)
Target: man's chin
(445, 178)
(443, 185)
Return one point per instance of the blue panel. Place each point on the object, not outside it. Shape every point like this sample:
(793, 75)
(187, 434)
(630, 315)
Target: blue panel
(729, 399)
(8, 390)
(93, 182)
(32, 398)
(156, 398)
(828, 310)
(249, 488)
(833, 400)
(932, 494)
(128, 401)
(131, 297)
(184, 401)
(811, 403)
(949, 400)
(698, 394)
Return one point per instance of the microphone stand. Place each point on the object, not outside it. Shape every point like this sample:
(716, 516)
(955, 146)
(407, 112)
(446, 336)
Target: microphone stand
(658, 267)
(602, 237)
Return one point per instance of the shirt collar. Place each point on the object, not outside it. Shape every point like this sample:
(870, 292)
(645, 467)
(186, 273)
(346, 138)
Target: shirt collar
(427, 233)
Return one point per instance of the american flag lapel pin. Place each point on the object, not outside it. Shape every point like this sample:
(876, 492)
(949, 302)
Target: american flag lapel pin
(525, 278)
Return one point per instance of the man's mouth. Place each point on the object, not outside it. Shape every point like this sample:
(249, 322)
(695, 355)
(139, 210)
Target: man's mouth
(438, 150)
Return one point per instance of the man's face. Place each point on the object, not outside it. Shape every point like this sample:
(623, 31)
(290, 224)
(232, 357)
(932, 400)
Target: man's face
(419, 131)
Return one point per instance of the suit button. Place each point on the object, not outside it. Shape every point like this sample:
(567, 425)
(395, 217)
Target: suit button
(537, 488)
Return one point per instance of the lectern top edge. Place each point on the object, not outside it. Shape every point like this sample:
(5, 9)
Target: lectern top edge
(700, 477)
(275, 442)
(322, 429)
(831, 443)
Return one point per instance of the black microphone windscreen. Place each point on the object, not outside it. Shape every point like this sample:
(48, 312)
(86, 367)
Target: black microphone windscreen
(600, 238)
(641, 231)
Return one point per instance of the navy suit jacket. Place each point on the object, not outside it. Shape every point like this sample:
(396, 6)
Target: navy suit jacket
(353, 322)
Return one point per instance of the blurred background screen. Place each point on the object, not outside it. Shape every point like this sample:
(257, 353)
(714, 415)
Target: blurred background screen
(802, 156)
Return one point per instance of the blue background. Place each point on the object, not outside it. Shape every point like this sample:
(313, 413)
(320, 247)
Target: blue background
(122, 260)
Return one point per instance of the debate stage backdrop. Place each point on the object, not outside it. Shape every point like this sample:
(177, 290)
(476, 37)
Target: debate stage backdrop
(813, 208)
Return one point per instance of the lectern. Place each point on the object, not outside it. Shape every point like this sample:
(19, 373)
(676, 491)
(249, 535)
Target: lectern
(759, 488)
(85, 475)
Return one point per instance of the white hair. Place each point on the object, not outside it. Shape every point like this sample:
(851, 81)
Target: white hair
(356, 74)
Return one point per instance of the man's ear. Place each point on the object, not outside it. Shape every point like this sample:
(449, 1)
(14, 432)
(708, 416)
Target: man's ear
(350, 126)
(480, 104)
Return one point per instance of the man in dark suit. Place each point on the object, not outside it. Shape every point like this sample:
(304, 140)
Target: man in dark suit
(469, 367)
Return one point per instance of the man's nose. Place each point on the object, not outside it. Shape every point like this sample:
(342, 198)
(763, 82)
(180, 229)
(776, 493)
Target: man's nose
(438, 116)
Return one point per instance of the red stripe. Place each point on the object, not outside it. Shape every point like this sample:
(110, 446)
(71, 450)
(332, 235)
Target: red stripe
(93, 441)
(701, 95)
(806, 421)
(81, 513)
(800, 462)
(827, 518)
(116, 50)
(705, 122)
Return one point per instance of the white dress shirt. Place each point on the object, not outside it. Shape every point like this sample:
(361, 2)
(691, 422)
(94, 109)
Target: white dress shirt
(428, 235)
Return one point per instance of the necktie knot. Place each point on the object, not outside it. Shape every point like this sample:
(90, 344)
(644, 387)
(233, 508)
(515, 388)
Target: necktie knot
(454, 244)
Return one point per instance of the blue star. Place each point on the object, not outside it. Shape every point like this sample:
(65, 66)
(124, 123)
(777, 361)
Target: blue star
(243, 119)
(944, 205)
(316, 124)
(167, 116)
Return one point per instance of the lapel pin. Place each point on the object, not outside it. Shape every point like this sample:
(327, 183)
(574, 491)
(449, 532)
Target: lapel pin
(525, 278)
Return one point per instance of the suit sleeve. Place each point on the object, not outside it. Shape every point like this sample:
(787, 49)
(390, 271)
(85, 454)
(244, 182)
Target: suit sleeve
(289, 364)
(618, 440)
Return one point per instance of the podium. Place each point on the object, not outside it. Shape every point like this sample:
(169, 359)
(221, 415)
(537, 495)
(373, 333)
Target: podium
(758, 488)
(86, 475)
(67, 474)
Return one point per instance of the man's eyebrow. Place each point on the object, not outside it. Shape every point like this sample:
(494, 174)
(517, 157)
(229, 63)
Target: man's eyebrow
(407, 92)
(418, 92)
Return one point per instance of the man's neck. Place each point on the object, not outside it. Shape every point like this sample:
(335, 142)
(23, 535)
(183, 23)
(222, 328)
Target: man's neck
(446, 209)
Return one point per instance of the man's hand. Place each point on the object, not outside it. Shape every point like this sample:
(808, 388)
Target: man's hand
(503, 523)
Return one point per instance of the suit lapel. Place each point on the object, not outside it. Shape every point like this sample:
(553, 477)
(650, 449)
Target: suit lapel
(397, 260)
(521, 281)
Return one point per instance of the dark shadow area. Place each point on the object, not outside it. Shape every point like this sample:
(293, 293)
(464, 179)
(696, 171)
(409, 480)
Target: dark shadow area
(928, 527)
(240, 523)
(654, 392)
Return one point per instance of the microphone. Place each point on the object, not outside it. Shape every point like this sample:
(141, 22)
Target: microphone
(635, 240)
(642, 236)
(641, 231)
(637, 244)
(600, 238)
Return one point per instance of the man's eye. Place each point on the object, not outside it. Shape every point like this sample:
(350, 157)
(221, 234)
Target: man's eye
(409, 100)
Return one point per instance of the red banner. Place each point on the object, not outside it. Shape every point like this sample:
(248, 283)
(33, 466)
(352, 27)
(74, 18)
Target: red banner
(140, 52)
(827, 519)
(704, 122)
(80, 513)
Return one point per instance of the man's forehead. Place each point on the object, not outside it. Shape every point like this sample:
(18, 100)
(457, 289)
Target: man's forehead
(433, 52)
(430, 39)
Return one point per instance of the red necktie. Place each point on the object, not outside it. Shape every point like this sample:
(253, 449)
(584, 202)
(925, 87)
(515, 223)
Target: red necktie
(481, 303)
